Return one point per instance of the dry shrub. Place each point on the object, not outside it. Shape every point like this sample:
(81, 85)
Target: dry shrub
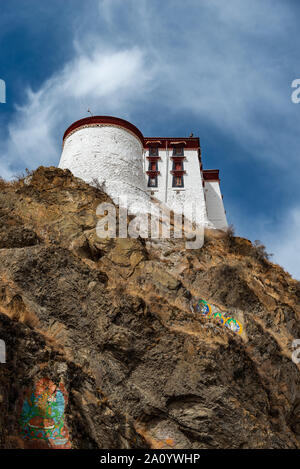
(100, 186)
(256, 250)
(229, 237)
(2, 183)
(230, 232)
(259, 251)
(20, 179)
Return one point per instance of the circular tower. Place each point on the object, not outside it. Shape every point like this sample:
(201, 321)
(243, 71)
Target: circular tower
(108, 150)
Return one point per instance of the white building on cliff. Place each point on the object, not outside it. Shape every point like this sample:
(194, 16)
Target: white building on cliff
(115, 153)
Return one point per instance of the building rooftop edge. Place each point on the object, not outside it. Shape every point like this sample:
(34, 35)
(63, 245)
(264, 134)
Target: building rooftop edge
(194, 142)
(191, 142)
(211, 174)
(94, 120)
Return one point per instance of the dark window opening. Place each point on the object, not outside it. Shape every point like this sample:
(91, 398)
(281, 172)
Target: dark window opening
(152, 181)
(178, 165)
(153, 166)
(178, 181)
(178, 151)
(153, 151)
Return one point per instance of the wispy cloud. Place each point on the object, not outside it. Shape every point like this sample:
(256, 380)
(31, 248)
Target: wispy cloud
(225, 62)
(106, 80)
(213, 60)
(229, 65)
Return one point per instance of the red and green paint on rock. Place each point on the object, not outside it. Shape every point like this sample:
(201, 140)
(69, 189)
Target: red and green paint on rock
(205, 311)
(42, 418)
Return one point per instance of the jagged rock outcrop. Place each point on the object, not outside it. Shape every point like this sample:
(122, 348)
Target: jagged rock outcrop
(110, 321)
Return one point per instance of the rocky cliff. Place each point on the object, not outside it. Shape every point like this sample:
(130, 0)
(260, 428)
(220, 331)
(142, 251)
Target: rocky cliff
(103, 349)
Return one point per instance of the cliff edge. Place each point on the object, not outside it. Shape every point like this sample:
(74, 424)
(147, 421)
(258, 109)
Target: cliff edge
(103, 349)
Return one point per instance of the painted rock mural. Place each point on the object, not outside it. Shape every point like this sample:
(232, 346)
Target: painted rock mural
(218, 318)
(42, 418)
(205, 310)
(234, 325)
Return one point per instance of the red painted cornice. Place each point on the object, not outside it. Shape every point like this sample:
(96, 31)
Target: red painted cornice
(161, 142)
(98, 120)
(211, 175)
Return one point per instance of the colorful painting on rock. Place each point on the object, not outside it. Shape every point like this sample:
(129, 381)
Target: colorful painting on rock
(42, 417)
(218, 318)
(234, 325)
(203, 308)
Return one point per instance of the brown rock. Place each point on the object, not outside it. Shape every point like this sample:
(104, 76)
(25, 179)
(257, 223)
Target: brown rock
(111, 319)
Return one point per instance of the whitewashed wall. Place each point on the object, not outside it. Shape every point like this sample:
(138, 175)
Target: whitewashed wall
(113, 156)
(214, 205)
(176, 198)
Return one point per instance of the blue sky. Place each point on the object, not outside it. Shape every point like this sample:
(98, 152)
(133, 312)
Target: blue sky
(222, 69)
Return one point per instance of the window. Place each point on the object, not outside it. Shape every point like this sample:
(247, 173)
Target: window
(153, 166)
(178, 150)
(178, 181)
(152, 181)
(178, 169)
(178, 165)
(153, 151)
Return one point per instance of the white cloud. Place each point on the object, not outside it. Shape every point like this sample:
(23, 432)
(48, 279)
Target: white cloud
(107, 9)
(225, 62)
(229, 64)
(213, 60)
(230, 76)
(107, 81)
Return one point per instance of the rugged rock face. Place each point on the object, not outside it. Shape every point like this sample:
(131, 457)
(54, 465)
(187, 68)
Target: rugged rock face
(110, 320)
